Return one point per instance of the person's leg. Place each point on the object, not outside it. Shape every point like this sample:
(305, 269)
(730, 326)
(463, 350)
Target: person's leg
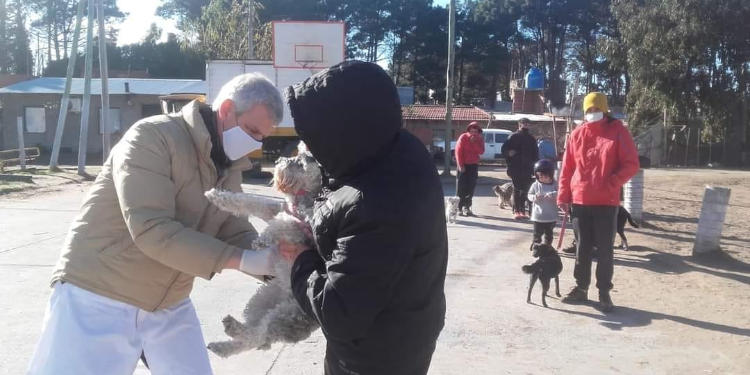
(583, 223)
(461, 188)
(85, 333)
(172, 340)
(473, 171)
(547, 228)
(538, 231)
(526, 185)
(605, 227)
(518, 199)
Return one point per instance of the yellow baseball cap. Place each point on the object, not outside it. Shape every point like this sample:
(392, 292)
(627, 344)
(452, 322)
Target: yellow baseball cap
(595, 99)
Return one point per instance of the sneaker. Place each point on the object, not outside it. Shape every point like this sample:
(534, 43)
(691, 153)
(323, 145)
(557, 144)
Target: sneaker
(517, 216)
(467, 211)
(576, 295)
(461, 212)
(570, 249)
(605, 302)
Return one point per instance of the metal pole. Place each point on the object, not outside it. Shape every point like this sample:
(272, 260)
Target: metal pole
(449, 88)
(554, 135)
(83, 136)
(21, 149)
(251, 30)
(66, 94)
(666, 133)
(698, 157)
(687, 146)
(104, 74)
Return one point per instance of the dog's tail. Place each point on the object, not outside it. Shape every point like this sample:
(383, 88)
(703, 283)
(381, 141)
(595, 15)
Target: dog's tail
(630, 220)
(527, 269)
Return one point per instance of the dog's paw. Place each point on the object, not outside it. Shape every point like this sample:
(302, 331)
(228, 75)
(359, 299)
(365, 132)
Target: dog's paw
(232, 327)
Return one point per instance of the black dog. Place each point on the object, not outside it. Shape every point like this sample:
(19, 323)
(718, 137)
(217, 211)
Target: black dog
(545, 268)
(622, 216)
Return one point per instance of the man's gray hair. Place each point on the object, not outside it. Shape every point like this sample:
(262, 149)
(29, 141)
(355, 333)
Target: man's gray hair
(249, 89)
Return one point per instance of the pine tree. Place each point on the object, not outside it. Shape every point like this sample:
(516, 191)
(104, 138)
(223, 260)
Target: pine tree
(18, 46)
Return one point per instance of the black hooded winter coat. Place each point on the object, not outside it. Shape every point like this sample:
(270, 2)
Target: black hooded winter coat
(375, 283)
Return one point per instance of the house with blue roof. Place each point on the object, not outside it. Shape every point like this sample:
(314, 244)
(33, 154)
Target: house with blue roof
(37, 102)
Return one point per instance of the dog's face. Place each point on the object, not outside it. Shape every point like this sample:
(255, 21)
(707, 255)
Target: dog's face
(451, 204)
(504, 191)
(541, 250)
(297, 174)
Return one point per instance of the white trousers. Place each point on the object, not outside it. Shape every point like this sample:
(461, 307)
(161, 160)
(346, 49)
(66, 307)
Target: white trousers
(86, 333)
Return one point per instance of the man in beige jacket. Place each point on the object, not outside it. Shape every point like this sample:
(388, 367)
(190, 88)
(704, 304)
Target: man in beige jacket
(145, 231)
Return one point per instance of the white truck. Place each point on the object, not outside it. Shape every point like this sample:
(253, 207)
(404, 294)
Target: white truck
(284, 139)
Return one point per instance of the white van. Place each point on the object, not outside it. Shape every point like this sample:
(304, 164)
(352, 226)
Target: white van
(493, 142)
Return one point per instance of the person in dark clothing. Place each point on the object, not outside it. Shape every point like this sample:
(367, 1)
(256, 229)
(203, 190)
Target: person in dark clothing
(469, 149)
(375, 282)
(520, 152)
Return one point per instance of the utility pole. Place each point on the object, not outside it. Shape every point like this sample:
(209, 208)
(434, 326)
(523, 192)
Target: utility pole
(251, 30)
(449, 88)
(84, 134)
(66, 94)
(104, 78)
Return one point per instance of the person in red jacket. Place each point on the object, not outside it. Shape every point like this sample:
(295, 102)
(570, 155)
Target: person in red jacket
(469, 147)
(599, 158)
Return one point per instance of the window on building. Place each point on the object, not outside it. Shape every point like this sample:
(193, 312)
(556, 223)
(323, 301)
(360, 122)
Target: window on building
(114, 120)
(35, 119)
(148, 110)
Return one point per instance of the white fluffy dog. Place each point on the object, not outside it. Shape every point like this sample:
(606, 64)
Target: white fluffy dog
(451, 209)
(272, 314)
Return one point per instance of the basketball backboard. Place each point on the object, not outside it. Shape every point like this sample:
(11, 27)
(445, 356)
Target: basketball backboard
(307, 44)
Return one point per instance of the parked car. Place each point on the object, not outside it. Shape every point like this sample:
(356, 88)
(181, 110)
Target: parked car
(493, 142)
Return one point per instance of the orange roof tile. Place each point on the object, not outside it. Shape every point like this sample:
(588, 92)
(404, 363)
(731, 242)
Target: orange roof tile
(437, 112)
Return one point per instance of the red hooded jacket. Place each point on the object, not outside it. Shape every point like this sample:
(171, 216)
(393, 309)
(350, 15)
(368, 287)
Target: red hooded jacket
(468, 151)
(600, 157)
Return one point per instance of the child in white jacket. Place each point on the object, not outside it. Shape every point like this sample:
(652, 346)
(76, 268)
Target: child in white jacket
(543, 195)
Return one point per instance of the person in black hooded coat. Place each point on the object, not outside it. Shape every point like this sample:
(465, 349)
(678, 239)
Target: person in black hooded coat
(375, 283)
(521, 152)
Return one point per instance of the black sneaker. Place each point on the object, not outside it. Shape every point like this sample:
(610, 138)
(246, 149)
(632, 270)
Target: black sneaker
(467, 211)
(576, 295)
(605, 302)
(570, 249)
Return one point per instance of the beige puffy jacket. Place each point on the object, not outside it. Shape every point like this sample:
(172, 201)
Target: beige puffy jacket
(145, 229)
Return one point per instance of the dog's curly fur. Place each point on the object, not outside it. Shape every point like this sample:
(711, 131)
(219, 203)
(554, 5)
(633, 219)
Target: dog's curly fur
(272, 314)
(504, 194)
(451, 209)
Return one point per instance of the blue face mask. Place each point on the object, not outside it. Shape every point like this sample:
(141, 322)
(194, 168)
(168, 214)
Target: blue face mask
(237, 143)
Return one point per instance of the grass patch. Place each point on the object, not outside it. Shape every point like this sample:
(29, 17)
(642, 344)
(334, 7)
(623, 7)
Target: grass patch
(13, 186)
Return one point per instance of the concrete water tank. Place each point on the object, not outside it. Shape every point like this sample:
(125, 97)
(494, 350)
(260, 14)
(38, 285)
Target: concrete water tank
(534, 79)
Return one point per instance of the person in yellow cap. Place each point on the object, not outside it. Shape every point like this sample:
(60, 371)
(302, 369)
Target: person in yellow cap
(599, 158)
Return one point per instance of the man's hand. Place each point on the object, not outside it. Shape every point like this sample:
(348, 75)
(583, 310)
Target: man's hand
(290, 251)
(459, 168)
(540, 196)
(511, 152)
(565, 207)
(233, 263)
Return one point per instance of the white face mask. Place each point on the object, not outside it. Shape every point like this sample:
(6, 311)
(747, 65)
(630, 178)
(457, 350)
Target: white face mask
(594, 116)
(237, 143)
